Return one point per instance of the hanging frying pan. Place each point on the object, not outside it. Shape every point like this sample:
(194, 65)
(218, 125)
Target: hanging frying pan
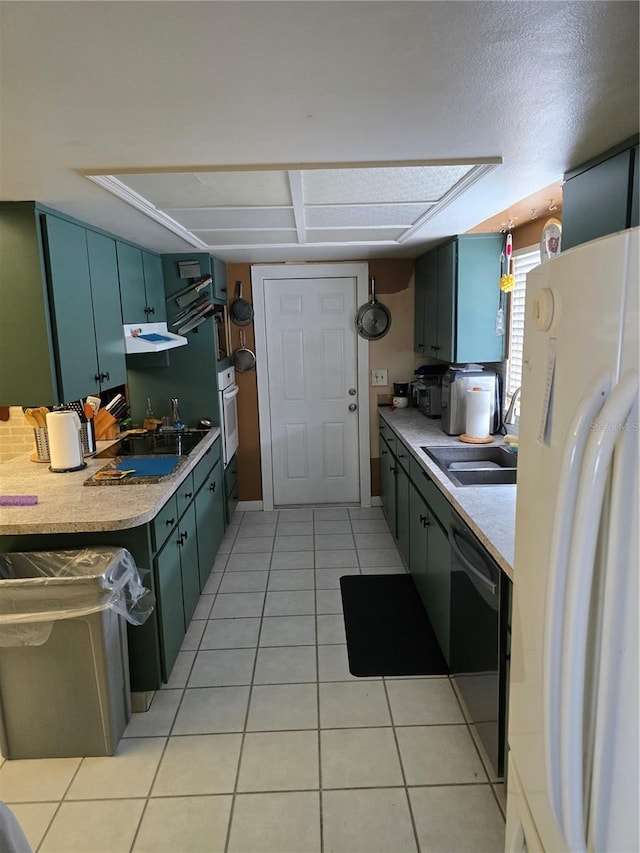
(373, 319)
(243, 359)
(241, 310)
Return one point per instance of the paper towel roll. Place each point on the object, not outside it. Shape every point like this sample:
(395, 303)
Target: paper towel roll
(478, 413)
(65, 449)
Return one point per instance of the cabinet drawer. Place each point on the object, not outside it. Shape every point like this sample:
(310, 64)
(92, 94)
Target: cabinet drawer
(184, 494)
(438, 504)
(388, 434)
(164, 522)
(204, 466)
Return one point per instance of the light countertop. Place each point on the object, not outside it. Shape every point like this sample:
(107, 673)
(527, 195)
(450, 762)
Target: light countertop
(65, 505)
(490, 511)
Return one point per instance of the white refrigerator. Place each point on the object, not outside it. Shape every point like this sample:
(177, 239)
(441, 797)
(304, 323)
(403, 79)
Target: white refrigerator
(573, 699)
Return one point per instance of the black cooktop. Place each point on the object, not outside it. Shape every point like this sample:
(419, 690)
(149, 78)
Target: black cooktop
(153, 444)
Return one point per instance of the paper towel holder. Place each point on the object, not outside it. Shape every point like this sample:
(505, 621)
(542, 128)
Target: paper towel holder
(73, 431)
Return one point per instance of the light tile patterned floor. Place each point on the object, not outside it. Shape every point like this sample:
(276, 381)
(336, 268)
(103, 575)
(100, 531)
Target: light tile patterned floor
(262, 741)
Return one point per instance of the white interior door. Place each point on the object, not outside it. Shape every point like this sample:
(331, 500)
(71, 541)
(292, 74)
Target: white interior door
(310, 411)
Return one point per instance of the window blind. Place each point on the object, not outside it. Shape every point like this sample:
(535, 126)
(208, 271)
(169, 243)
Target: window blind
(523, 262)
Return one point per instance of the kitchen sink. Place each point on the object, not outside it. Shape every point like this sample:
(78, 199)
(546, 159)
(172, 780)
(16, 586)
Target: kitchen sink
(476, 466)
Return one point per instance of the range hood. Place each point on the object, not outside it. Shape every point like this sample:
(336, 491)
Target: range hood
(150, 337)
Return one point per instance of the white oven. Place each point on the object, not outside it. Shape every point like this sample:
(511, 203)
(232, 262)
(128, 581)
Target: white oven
(227, 393)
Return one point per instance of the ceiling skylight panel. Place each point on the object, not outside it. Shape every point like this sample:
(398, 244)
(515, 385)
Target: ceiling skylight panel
(256, 237)
(212, 189)
(380, 185)
(344, 216)
(352, 235)
(232, 217)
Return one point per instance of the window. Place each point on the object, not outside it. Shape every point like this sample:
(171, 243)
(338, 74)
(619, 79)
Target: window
(524, 260)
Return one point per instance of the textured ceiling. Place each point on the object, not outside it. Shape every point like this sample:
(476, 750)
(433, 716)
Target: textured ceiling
(200, 88)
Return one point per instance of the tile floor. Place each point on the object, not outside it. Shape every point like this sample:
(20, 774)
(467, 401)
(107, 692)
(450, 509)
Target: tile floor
(262, 741)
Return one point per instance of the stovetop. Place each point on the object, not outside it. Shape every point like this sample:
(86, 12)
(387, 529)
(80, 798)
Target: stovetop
(179, 443)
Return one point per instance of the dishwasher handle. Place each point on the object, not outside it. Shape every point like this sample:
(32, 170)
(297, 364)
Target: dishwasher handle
(454, 535)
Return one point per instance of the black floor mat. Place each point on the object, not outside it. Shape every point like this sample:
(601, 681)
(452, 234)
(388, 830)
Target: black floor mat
(388, 631)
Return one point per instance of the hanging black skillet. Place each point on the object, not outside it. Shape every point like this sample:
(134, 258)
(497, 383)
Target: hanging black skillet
(241, 310)
(373, 319)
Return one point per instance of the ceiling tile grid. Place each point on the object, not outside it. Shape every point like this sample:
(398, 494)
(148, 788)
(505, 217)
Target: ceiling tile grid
(373, 205)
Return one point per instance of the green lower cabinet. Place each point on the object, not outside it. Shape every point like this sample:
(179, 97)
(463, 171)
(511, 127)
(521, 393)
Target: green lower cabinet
(430, 565)
(170, 602)
(402, 511)
(439, 581)
(418, 516)
(189, 563)
(388, 485)
(209, 505)
(231, 487)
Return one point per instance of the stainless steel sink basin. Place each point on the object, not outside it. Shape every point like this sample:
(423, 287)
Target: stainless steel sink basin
(474, 465)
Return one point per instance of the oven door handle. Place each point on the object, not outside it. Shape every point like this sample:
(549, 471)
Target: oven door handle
(230, 393)
(468, 566)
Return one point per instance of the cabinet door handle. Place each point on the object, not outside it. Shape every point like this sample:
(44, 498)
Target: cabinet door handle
(384, 452)
(149, 310)
(101, 377)
(212, 487)
(170, 522)
(179, 541)
(188, 495)
(184, 536)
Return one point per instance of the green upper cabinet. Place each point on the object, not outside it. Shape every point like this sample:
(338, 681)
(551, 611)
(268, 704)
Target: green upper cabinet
(83, 282)
(141, 285)
(154, 287)
(219, 272)
(191, 374)
(457, 299)
(601, 196)
(105, 290)
(61, 331)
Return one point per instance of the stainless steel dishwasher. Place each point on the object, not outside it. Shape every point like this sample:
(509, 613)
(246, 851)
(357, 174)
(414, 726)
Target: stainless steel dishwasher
(478, 639)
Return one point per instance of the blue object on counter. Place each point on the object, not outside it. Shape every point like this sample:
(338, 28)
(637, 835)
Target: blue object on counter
(154, 338)
(149, 466)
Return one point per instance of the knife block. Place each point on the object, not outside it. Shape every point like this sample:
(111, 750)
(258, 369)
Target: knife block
(105, 425)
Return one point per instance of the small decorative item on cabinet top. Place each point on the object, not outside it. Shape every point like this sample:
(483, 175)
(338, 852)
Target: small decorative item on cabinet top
(550, 239)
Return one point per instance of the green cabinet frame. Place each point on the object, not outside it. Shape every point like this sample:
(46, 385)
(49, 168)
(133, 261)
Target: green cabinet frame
(601, 196)
(430, 559)
(457, 297)
(141, 285)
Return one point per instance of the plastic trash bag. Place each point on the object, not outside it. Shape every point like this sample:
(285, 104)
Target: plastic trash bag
(38, 588)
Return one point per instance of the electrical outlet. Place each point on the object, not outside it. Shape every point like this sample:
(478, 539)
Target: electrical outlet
(379, 376)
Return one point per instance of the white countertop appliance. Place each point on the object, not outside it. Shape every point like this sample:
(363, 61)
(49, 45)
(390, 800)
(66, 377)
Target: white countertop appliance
(573, 701)
(459, 379)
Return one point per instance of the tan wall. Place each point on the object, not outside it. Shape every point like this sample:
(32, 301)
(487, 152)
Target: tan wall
(394, 287)
(530, 233)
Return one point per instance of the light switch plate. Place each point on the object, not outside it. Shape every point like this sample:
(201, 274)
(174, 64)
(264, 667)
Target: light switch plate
(379, 376)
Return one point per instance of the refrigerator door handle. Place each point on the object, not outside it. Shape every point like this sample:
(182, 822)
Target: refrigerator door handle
(554, 647)
(589, 506)
(619, 644)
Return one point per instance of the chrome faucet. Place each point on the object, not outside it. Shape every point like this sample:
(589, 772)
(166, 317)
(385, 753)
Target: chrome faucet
(510, 417)
(175, 413)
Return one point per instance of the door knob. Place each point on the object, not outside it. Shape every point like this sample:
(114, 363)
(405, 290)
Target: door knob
(352, 392)
(352, 407)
